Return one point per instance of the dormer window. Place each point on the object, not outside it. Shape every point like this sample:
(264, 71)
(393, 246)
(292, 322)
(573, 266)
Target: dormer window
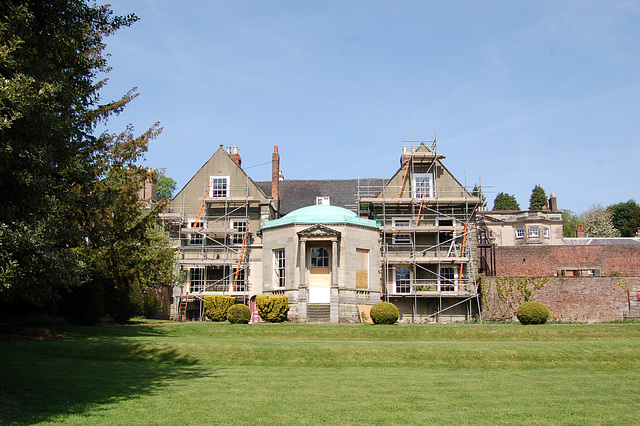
(325, 201)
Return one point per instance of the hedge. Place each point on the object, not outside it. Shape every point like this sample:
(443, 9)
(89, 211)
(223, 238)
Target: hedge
(216, 307)
(532, 313)
(384, 313)
(273, 308)
(239, 314)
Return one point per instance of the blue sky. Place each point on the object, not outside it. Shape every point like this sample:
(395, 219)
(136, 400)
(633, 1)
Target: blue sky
(519, 93)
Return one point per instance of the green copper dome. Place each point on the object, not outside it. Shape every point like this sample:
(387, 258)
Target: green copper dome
(324, 214)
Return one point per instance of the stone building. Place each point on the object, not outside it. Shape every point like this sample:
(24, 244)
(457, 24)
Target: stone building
(329, 245)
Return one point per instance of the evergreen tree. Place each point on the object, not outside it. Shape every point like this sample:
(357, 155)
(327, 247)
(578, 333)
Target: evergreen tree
(477, 192)
(69, 187)
(505, 201)
(538, 199)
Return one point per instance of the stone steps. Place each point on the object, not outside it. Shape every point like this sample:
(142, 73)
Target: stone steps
(318, 312)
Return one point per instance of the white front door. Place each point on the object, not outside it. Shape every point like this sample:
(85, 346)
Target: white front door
(319, 276)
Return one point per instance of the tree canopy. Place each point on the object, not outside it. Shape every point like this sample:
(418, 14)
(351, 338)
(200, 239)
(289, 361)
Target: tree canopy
(71, 205)
(538, 199)
(626, 217)
(598, 222)
(505, 201)
(477, 192)
(165, 187)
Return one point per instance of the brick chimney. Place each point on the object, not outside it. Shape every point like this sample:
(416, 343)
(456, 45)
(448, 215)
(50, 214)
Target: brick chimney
(275, 175)
(235, 156)
(553, 202)
(580, 231)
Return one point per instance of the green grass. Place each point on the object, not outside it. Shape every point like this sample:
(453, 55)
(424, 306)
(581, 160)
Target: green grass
(203, 373)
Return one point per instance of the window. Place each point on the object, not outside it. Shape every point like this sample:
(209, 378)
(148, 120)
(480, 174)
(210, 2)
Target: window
(520, 233)
(195, 239)
(401, 238)
(534, 232)
(319, 257)
(323, 201)
(362, 269)
(278, 268)
(239, 230)
(447, 278)
(403, 280)
(218, 186)
(196, 279)
(237, 280)
(422, 185)
(545, 232)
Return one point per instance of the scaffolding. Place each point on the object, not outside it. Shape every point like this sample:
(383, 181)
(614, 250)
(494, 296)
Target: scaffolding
(427, 231)
(214, 245)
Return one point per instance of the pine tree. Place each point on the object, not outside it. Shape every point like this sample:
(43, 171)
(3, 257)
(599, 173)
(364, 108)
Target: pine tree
(538, 199)
(505, 201)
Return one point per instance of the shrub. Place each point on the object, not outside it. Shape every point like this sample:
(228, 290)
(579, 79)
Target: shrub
(151, 305)
(532, 313)
(384, 313)
(273, 308)
(216, 307)
(239, 314)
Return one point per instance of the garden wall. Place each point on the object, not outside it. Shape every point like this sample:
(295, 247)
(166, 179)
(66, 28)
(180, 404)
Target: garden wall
(570, 299)
(546, 261)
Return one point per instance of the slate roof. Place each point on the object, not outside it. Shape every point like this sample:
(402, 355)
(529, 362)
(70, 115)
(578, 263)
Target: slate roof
(295, 194)
(588, 241)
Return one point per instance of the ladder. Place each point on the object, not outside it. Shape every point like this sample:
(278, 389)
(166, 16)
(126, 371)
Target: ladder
(240, 259)
(182, 306)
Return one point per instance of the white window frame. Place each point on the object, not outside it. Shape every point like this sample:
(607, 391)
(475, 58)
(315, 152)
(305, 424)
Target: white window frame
(241, 285)
(534, 232)
(196, 238)
(398, 286)
(418, 188)
(279, 269)
(545, 232)
(197, 280)
(239, 227)
(448, 281)
(218, 189)
(402, 239)
(323, 201)
(519, 232)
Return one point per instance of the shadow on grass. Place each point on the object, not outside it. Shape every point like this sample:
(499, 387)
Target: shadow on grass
(96, 367)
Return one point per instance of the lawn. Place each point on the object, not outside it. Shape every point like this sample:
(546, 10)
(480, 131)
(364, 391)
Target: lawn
(204, 373)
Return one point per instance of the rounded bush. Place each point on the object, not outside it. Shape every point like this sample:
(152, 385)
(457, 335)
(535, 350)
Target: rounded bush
(384, 313)
(239, 314)
(532, 313)
(216, 307)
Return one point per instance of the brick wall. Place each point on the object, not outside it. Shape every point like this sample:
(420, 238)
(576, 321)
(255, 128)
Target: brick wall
(546, 260)
(574, 299)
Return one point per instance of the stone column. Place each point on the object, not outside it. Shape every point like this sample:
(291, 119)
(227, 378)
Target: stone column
(303, 299)
(334, 309)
